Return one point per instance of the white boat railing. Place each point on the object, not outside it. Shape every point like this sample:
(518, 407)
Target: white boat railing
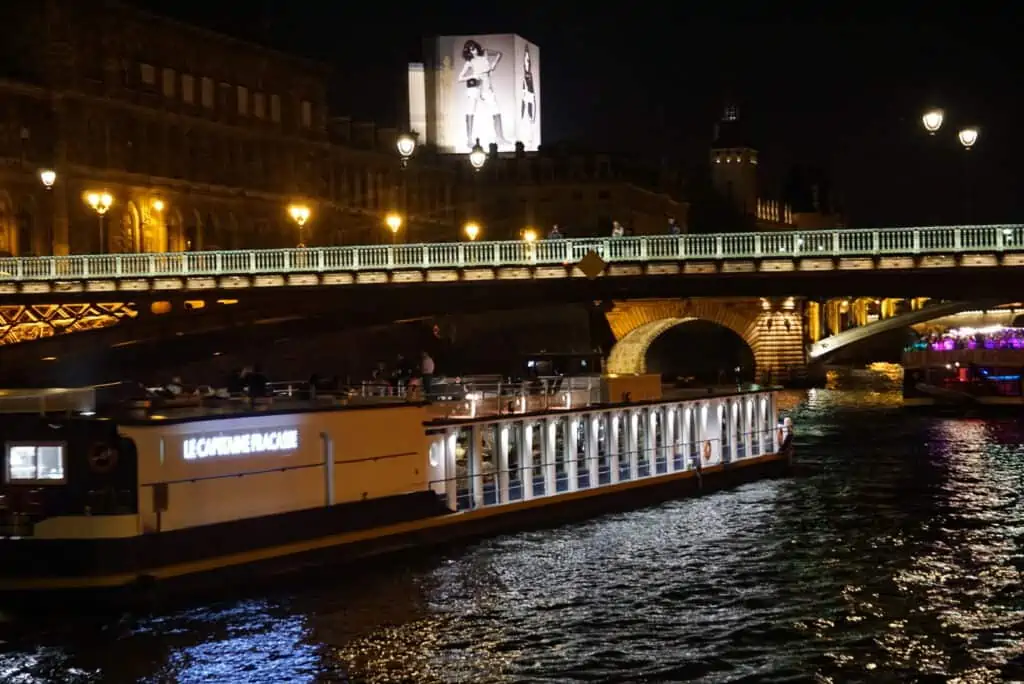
(544, 478)
(644, 248)
(467, 399)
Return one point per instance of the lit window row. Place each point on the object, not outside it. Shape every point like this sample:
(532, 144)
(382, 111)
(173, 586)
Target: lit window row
(256, 104)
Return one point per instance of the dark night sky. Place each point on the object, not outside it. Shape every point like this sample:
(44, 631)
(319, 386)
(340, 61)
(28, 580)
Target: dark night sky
(835, 91)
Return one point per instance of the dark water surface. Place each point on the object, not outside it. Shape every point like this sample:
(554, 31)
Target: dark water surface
(897, 559)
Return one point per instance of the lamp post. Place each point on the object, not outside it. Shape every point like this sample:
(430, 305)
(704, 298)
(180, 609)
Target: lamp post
(530, 235)
(968, 136)
(394, 223)
(156, 207)
(100, 202)
(300, 214)
(932, 120)
(477, 156)
(406, 145)
(472, 230)
(47, 177)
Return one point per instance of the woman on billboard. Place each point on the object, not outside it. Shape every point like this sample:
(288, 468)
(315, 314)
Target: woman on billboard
(476, 74)
(528, 107)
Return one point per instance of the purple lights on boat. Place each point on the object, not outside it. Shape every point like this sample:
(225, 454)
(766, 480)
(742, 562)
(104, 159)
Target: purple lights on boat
(993, 337)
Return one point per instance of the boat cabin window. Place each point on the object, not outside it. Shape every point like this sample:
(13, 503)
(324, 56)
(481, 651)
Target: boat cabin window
(36, 463)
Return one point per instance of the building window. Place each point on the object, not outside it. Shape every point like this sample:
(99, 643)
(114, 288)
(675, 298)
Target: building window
(188, 87)
(275, 108)
(259, 105)
(147, 73)
(36, 463)
(243, 100)
(208, 92)
(307, 114)
(169, 78)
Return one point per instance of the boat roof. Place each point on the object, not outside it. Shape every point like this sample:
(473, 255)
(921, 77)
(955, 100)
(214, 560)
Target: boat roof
(90, 403)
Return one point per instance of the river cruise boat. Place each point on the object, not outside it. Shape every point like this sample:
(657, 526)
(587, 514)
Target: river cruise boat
(105, 495)
(965, 368)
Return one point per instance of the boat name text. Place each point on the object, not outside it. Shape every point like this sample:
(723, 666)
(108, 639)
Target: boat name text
(195, 448)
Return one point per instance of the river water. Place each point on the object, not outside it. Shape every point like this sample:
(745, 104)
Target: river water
(897, 558)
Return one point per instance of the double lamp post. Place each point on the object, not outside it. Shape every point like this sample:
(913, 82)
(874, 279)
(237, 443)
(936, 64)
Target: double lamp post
(406, 145)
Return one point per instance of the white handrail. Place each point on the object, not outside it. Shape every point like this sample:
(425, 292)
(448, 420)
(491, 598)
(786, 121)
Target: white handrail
(644, 248)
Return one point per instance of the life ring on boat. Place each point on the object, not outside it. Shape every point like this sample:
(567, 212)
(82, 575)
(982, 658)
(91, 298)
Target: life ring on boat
(707, 450)
(103, 458)
(781, 436)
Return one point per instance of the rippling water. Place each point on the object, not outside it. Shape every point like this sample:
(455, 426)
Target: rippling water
(898, 558)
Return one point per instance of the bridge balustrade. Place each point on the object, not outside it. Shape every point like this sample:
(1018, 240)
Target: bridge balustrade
(831, 243)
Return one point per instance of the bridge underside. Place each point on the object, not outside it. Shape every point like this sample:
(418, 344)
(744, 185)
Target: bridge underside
(772, 337)
(823, 349)
(772, 329)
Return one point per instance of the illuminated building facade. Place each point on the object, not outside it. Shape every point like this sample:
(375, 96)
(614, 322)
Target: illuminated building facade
(198, 141)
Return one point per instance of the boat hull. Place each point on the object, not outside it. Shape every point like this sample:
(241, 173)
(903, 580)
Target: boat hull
(241, 553)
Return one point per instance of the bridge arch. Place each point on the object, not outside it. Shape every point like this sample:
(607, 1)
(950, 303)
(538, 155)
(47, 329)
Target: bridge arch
(636, 325)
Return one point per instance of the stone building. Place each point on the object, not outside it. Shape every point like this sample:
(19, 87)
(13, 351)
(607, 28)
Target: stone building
(734, 174)
(201, 141)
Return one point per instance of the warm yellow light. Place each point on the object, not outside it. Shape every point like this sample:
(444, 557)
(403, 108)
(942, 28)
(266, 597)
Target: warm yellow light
(530, 235)
(158, 205)
(932, 120)
(968, 136)
(477, 156)
(393, 222)
(406, 145)
(472, 230)
(299, 213)
(100, 202)
(48, 177)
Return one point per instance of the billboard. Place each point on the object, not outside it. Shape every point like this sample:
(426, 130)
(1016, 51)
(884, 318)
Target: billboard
(484, 88)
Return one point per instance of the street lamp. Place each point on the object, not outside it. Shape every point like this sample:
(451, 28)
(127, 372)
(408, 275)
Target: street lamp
(300, 214)
(530, 235)
(472, 230)
(968, 136)
(394, 223)
(48, 177)
(406, 145)
(932, 120)
(100, 202)
(477, 156)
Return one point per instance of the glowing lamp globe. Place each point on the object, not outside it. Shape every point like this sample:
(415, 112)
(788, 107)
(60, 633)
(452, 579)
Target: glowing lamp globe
(932, 120)
(968, 136)
(406, 145)
(477, 156)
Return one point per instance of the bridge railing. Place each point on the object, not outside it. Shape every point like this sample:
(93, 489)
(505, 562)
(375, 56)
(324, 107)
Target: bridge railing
(827, 243)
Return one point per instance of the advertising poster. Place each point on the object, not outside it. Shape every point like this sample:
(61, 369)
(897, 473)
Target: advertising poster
(487, 88)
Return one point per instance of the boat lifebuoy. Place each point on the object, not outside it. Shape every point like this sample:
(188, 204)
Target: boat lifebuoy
(781, 436)
(102, 458)
(707, 450)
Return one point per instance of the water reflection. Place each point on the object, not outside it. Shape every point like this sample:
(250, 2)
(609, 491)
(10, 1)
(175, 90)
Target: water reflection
(896, 559)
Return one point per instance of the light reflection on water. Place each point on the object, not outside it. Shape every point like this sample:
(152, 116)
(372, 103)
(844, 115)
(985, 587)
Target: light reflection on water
(896, 558)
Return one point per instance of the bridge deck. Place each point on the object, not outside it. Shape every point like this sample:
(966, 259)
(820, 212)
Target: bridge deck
(936, 240)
